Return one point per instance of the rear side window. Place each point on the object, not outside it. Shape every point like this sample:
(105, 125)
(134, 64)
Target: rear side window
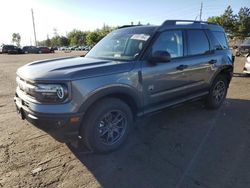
(221, 39)
(197, 42)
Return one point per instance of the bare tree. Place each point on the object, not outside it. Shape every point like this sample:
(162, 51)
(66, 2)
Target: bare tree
(16, 38)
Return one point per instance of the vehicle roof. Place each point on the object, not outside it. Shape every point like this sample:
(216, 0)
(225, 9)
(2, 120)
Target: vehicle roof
(8, 45)
(177, 24)
(139, 28)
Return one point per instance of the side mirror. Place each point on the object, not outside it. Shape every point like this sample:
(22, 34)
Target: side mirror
(160, 57)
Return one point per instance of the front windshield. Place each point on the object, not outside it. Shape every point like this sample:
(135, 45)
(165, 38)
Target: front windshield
(120, 45)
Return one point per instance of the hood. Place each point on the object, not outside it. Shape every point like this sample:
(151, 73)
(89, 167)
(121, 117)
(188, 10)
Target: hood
(71, 68)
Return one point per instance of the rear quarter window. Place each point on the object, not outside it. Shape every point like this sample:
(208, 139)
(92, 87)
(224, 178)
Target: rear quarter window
(221, 40)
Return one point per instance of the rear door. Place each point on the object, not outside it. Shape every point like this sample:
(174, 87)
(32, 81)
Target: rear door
(202, 59)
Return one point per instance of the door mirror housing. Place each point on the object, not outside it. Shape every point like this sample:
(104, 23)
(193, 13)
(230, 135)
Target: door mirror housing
(160, 57)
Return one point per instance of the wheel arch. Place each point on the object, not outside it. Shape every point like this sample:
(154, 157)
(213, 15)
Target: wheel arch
(123, 92)
(226, 71)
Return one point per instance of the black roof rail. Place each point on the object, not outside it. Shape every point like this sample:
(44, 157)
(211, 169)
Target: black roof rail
(173, 22)
(124, 26)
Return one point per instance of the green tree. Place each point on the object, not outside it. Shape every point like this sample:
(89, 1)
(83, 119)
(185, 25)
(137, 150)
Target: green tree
(63, 41)
(92, 38)
(95, 36)
(55, 40)
(215, 19)
(48, 41)
(243, 22)
(16, 38)
(235, 25)
(76, 37)
(227, 20)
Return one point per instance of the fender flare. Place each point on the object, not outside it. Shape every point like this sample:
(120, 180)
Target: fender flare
(118, 89)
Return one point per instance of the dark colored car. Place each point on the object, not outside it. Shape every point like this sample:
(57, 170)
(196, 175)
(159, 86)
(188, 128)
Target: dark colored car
(30, 49)
(11, 49)
(43, 50)
(131, 72)
(243, 48)
(52, 49)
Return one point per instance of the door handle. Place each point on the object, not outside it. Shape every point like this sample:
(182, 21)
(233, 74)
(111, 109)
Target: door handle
(213, 61)
(181, 67)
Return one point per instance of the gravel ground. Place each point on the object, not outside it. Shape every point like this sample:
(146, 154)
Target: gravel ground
(187, 146)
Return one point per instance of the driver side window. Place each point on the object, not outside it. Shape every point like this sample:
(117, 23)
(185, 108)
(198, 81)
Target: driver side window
(170, 41)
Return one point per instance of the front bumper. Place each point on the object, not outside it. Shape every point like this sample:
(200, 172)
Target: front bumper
(59, 126)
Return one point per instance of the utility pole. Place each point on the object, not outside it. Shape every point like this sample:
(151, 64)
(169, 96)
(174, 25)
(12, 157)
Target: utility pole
(34, 28)
(201, 10)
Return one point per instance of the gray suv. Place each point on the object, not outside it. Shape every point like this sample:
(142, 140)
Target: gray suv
(133, 71)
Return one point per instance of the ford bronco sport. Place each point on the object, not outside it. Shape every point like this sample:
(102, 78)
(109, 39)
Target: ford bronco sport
(133, 71)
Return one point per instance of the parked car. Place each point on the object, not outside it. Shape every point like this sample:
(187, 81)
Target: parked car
(11, 49)
(42, 50)
(80, 48)
(30, 49)
(246, 68)
(131, 72)
(243, 48)
(53, 49)
(73, 47)
(63, 48)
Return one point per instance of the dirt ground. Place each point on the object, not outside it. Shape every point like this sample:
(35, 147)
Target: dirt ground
(185, 147)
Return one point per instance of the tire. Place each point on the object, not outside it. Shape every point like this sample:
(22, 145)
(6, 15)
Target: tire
(99, 131)
(39, 52)
(217, 93)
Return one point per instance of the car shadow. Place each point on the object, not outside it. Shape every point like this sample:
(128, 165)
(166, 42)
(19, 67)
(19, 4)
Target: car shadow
(167, 148)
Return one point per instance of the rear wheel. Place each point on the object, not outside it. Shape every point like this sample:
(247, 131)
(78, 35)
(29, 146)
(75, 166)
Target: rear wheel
(217, 93)
(106, 125)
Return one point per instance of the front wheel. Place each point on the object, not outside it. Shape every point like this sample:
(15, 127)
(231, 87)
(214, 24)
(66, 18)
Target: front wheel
(217, 93)
(106, 125)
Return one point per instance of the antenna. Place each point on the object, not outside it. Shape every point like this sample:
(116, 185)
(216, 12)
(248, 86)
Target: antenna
(34, 28)
(201, 11)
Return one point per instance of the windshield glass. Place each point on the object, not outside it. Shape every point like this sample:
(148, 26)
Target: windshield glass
(122, 44)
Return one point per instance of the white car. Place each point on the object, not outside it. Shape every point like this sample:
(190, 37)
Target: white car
(247, 66)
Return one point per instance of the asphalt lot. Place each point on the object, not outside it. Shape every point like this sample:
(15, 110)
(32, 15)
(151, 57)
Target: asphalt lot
(185, 147)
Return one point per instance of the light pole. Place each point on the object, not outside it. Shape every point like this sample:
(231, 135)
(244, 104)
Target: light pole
(34, 28)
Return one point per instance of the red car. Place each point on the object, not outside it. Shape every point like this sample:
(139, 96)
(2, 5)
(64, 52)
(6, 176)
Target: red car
(43, 50)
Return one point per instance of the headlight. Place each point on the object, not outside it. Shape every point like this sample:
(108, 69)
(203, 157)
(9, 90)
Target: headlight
(51, 92)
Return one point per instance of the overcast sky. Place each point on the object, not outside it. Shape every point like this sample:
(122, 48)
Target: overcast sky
(65, 15)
